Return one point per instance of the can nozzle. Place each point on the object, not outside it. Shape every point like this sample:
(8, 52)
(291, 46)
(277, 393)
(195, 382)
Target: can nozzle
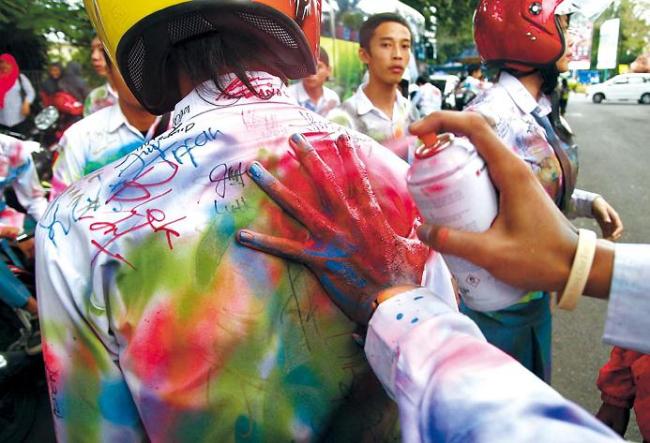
(432, 143)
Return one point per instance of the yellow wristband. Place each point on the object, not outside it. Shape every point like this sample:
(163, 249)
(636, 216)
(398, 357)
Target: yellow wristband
(389, 293)
(579, 274)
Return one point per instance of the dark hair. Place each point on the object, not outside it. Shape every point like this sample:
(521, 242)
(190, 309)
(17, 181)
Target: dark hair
(322, 56)
(209, 55)
(473, 68)
(549, 79)
(374, 21)
(421, 80)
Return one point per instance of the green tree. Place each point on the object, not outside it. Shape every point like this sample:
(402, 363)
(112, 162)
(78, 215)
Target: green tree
(454, 31)
(25, 23)
(634, 31)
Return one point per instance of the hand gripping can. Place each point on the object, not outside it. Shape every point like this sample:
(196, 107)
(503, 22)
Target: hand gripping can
(451, 186)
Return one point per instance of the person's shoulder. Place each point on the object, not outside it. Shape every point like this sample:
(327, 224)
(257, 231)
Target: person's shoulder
(98, 121)
(331, 94)
(99, 90)
(345, 114)
(494, 98)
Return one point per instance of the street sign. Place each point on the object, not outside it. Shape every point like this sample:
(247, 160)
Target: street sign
(608, 47)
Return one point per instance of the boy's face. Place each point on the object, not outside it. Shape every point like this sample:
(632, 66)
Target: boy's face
(389, 52)
(97, 57)
(54, 71)
(317, 80)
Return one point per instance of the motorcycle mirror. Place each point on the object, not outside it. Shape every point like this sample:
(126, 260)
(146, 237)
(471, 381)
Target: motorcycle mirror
(46, 118)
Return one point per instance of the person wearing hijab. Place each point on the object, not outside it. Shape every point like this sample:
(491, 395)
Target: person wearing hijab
(16, 96)
(73, 83)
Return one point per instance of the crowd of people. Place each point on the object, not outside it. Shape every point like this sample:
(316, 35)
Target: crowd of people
(171, 294)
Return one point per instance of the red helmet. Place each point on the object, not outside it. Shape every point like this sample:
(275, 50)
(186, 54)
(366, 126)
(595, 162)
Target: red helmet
(518, 34)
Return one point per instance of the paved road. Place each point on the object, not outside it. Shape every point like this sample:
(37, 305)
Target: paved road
(614, 162)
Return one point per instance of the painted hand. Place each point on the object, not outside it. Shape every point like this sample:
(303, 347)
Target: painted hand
(352, 248)
(608, 219)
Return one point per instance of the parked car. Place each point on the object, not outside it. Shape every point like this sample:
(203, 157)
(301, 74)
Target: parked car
(624, 87)
(447, 85)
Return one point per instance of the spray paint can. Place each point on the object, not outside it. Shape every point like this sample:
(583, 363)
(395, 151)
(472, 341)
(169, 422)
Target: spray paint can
(451, 186)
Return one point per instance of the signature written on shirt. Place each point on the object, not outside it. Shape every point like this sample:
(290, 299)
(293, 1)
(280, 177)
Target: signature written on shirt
(135, 186)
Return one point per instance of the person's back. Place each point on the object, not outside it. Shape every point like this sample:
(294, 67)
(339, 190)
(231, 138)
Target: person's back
(213, 342)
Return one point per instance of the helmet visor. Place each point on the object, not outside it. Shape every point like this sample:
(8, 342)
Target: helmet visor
(589, 9)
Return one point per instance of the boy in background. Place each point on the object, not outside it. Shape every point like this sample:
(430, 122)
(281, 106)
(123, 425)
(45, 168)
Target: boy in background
(311, 93)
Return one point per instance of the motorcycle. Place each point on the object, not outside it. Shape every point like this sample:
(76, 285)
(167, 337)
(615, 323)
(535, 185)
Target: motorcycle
(44, 133)
(23, 387)
(464, 95)
(22, 373)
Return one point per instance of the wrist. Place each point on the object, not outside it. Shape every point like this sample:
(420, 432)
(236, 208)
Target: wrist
(600, 275)
(388, 293)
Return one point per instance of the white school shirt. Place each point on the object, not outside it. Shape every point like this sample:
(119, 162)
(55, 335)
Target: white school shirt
(328, 101)
(360, 114)
(95, 141)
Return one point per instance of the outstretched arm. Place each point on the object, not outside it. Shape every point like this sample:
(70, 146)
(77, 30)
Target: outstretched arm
(450, 384)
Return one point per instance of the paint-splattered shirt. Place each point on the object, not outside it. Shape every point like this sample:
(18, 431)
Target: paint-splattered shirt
(157, 323)
(17, 171)
(99, 98)
(360, 114)
(510, 107)
(93, 142)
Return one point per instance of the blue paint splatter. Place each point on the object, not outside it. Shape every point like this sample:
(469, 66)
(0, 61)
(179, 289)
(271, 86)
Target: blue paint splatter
(116, 404)
(400, 316)
(415, 320)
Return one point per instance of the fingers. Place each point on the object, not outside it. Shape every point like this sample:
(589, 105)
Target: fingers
(467, 245)
(290, 201)
(499, 158)
(282, 247)
(608, 219)
(320, 173)
(617, 224)
(357, 176)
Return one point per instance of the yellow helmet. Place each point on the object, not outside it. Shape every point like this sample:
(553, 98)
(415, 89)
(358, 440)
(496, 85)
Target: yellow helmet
(138, 35)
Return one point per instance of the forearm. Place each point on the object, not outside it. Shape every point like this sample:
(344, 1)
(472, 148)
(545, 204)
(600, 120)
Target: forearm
(451, 385)
(580, 204)
(600, 276)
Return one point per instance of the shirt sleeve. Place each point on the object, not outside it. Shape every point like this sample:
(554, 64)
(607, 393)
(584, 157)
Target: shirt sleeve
(628, 310)
(30, 94)
(90, 398)
(580, 204)
(27, 186)
(451, 385)
(68, 167)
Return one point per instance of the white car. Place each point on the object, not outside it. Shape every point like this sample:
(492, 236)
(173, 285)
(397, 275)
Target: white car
(624, 87)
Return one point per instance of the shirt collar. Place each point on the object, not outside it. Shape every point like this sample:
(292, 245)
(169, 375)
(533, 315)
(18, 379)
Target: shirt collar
(364, 105)
(115, 118)
(207, 95)
(522, 98)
